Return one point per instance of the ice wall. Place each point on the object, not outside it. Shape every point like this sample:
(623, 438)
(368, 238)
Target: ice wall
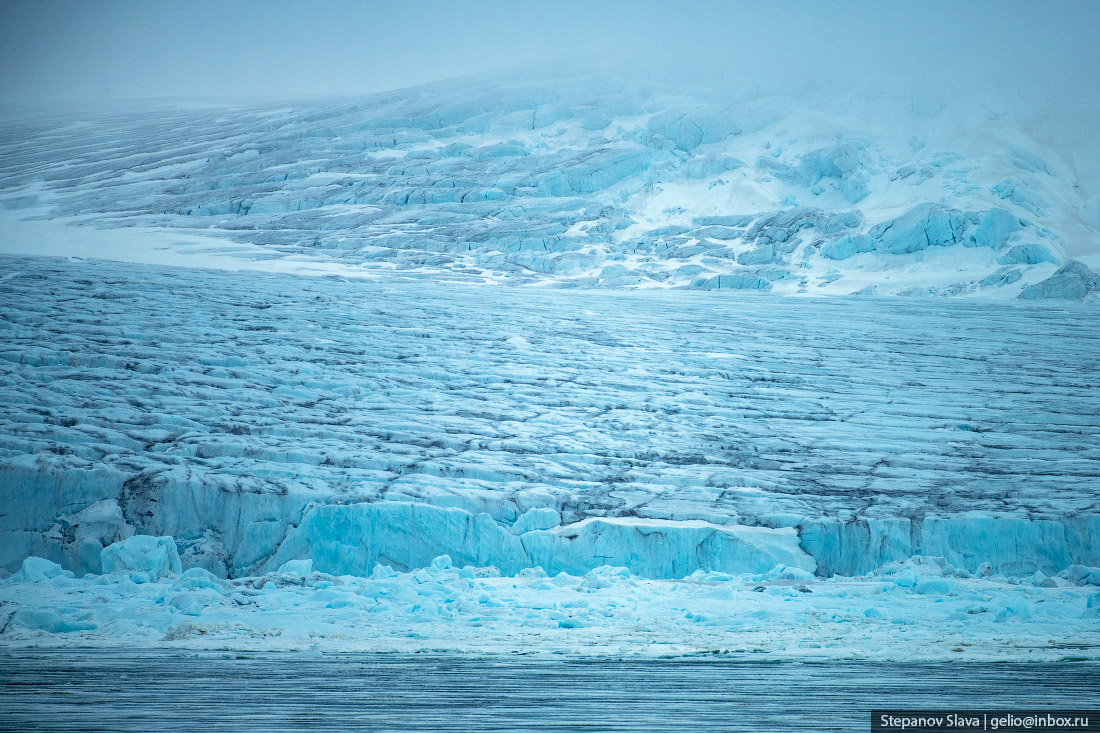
(353, 539)
(46, 513)
(68, 516)
(241, 533)
(1012, 546)
(645, 429)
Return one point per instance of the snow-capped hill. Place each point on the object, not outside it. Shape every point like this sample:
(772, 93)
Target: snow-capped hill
(591, 182)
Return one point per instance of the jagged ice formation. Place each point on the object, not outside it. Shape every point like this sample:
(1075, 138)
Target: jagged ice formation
(623, 445)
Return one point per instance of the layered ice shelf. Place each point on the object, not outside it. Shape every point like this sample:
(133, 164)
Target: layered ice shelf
(262, 419)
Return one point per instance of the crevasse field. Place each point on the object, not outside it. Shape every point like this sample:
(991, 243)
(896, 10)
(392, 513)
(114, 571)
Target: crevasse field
(583, 367)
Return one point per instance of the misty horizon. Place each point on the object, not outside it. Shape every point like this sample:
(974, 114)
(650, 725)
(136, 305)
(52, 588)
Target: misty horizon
(60, 52)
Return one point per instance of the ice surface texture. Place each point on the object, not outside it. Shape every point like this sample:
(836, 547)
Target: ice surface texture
(249, 417)
(257, 459)
(584, 181)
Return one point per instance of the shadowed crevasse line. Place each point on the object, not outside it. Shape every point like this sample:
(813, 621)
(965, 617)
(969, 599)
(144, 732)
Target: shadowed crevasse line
(215, 407)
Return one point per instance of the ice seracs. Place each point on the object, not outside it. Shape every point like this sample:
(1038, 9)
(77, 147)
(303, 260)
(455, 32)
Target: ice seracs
(347, 433)
(259, 421)
(577, 181)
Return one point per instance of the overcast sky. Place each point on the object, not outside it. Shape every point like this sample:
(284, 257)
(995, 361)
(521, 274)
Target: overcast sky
(61, 51)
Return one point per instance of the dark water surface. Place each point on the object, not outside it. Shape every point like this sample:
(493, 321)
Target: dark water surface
(213, 691)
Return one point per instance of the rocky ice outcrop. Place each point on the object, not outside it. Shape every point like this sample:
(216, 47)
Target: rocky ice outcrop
(1073, 281)
(923, 226)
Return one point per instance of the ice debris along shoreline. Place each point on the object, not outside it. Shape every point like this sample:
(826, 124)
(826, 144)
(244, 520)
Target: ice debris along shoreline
(920, 609)
(581, 181)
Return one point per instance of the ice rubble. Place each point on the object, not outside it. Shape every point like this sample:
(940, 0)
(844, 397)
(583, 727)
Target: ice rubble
(919, 609)
(577, 181)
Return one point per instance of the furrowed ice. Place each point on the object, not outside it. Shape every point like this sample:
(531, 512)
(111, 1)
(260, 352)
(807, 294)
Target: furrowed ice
(369, 429)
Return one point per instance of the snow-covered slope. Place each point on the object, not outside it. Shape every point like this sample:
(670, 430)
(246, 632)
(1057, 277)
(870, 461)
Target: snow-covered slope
(585, 181)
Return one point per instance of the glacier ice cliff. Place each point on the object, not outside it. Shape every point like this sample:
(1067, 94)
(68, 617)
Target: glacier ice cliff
(352, 539)
(271, 387)
(264, 420)
(923, 608)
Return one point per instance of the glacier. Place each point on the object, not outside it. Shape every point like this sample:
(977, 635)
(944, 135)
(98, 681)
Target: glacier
(574, 180)
(492, 365)
(256, 420)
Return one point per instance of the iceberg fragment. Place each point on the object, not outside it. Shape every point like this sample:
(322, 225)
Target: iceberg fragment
(155, 556)
(1073, 281)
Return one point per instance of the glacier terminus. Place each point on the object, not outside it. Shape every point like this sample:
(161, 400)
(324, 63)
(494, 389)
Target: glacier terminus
(568, 364)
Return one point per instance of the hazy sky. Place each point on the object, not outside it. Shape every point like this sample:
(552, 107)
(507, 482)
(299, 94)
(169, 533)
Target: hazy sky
(86, 50)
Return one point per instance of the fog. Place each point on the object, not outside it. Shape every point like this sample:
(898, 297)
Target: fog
(62, 51)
